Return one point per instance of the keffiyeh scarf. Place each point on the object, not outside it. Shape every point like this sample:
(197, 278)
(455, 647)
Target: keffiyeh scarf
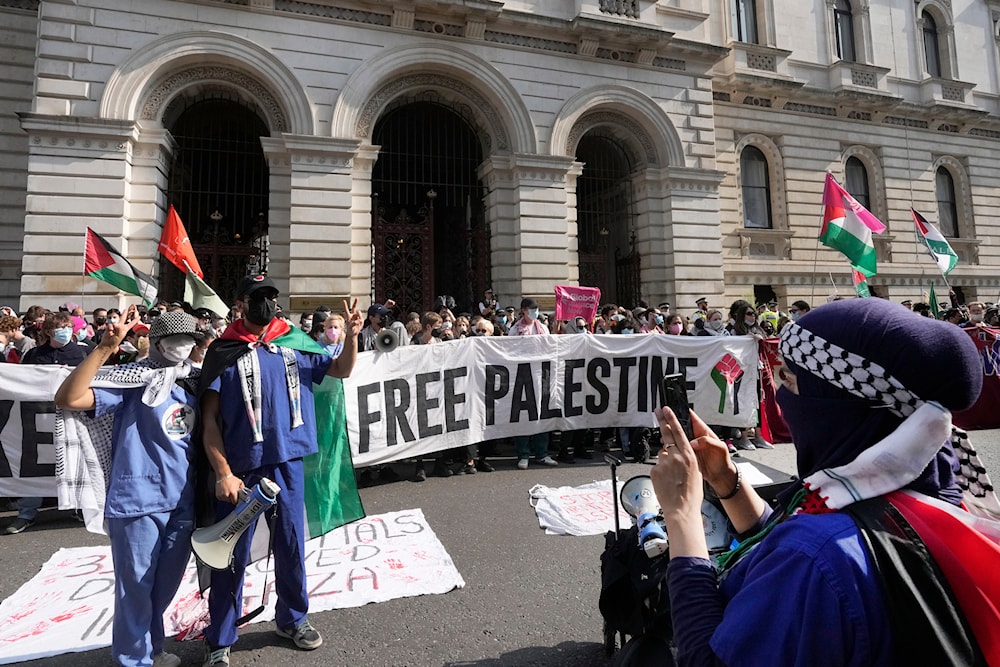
(83, 443)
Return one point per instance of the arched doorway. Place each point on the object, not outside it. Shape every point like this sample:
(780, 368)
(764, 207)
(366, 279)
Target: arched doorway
(219, 186)
(605, 204)
(429, 236)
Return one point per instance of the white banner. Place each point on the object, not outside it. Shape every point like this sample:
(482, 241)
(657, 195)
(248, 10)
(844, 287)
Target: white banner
(577, 510)
(68, 606)
(27, 425)
(422, 399)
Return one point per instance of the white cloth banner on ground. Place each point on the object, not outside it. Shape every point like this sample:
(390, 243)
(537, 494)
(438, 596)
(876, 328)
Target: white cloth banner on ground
(68, 606)
(577, 510)
(425, 398)
(421, 399)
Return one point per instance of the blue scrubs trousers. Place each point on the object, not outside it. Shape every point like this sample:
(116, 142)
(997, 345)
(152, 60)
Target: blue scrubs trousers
(150, 555)
(225, 599)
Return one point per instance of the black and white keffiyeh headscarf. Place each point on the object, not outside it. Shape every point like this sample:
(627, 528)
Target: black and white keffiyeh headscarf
(875, 382)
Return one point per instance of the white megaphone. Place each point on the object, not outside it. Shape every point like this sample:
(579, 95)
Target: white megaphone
(387, 340)
(639, 500)
(213, 545)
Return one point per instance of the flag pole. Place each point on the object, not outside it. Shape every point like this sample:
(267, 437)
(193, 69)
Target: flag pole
(836, 292)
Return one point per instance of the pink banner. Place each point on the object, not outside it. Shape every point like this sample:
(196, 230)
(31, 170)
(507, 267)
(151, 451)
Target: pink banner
(577, 302)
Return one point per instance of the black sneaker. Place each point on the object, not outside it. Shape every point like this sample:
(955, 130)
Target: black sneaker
(216, 657)
(304, 635)
(483, 466)
(18, 525)
(419, 476)
(441, 470)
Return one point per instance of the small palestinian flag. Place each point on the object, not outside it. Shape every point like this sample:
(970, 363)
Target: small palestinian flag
(860, 283)
(106, 264)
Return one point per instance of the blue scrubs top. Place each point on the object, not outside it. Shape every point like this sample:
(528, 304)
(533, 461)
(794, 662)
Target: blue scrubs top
(281, 442)
(151, 452)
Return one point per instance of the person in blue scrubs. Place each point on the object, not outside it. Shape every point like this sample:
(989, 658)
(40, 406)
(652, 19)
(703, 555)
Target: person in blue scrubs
(149, 508)
(258, 420)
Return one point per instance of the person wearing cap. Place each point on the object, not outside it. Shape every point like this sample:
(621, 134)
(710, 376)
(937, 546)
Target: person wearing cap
(148, 507)
(907, 303)
(538, 443)
(489, 302)
(377, 319)
(702, 312)
(871, 557)
(259, 419)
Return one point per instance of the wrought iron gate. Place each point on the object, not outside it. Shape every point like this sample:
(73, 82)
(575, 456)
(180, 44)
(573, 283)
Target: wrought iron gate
(403, 255)
(219, 186)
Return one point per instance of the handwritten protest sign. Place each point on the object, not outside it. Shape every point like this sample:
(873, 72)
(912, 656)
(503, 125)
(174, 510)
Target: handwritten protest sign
(577, 510)
(68, 606)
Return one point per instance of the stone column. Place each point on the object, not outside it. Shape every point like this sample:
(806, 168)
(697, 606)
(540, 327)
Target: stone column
(679, 235)
(84, 172)
(313, 251)
(533, 232)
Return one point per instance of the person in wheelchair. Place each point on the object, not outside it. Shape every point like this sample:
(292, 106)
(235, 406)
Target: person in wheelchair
(872, 558)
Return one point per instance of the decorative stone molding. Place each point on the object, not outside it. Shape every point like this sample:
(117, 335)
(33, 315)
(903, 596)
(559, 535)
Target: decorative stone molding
(79, 134)
(765, 243)
(963, 195)
(496, 133)
(636, 117)
(876, 176)
(165, 92)
(613, 119)
(776, 178)
(153, 65)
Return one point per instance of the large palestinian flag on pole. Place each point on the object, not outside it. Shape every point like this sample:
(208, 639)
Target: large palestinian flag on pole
(103, 262)
(848, 227)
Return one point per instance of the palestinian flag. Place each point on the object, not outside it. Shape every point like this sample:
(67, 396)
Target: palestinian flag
(848, 227)
(935, 243)
(860, 283)
(103, 262)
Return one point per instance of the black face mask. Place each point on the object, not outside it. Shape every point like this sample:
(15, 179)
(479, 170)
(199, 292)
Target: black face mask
(261, 311)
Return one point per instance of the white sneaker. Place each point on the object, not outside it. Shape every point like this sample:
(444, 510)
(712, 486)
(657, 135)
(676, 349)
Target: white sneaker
(548, 461)
(522, 464)
(164, 659)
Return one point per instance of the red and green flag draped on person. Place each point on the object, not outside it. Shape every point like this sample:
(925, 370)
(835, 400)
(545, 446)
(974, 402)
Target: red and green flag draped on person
(331, 493)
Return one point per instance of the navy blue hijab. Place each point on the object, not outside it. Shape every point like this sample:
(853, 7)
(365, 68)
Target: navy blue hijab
(935, 360)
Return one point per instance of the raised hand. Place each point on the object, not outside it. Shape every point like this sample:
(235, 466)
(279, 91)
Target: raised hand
(114, 334)
(352, 318)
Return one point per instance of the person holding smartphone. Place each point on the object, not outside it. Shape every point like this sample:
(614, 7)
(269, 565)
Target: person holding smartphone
(878, 508)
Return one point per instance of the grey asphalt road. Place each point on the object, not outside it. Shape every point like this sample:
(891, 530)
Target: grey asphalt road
(530, 599)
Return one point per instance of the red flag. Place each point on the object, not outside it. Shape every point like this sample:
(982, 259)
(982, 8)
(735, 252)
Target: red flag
(176, 246)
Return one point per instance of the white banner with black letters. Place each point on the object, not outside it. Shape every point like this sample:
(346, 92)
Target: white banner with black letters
(421, 399)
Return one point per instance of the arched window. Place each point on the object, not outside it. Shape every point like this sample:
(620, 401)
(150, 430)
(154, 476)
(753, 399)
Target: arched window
(756, 188)
(745, 21)
(931, 47)
(947, 203)
(843, 20)
(857, 181)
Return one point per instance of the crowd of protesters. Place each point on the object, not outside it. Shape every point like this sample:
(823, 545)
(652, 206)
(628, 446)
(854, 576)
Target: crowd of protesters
(65, 336)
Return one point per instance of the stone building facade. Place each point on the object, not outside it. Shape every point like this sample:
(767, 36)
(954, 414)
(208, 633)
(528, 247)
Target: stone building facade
(663, 150)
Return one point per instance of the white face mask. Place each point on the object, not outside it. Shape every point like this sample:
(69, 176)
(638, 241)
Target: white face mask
(977, 318)
(715, 325)
(176, 349)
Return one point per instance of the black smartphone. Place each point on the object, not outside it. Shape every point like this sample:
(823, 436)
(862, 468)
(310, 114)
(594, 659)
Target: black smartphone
(673, 390)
